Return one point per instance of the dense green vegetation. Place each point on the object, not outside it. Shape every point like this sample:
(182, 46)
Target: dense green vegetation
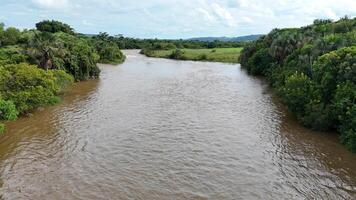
(229, 55)
(54, 27)
(108, 49)
(217, 51)
(156, 44)
(313, 68)
(37, 65)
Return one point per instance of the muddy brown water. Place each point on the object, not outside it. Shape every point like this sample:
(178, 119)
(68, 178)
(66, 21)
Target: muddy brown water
(162, 129)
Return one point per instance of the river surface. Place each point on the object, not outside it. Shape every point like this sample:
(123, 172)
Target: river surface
(162, 129)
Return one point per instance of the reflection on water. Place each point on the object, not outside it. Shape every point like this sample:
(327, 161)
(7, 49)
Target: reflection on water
(163, 129)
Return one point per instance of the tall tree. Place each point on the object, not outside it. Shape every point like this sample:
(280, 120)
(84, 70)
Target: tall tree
(43, 46)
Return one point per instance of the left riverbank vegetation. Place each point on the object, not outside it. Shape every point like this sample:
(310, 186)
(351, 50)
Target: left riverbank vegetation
(36, 65)
(313, 69)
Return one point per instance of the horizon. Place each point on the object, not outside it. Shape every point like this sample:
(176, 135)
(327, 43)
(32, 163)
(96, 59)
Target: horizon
(174, 19)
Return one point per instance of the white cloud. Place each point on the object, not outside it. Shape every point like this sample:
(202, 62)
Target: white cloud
(208, 17)
(86, 23)
(247, 19)
(243, 3)
(224, 15)
(52, 4)
(176, 18)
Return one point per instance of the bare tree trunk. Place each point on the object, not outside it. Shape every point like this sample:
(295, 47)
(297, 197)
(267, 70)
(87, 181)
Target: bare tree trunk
(46, 62)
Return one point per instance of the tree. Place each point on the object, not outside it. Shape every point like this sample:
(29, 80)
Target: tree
(260, 62)
(79, 57)
(315, 73)
(108, 49)
(54, 27)
(42, 47)
(10, 36)
(284, 45)
(2, 25)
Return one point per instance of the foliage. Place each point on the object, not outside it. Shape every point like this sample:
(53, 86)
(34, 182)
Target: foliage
(29, 87)
(8, 110)
(2, 128)
(37, 65)
(78, 58)
(155, 44)
(260, 62)
(54, 27)
(313, 69)
(42, 48)
(12, 55)
(176, 54)
(10, 36)
(229, 55)
(108, 51)
(75, 55)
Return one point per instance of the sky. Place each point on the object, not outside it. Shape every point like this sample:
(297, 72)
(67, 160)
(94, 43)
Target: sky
(172, 19)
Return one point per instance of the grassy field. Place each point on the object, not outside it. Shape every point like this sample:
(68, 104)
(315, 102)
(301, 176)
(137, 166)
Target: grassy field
(229, 55)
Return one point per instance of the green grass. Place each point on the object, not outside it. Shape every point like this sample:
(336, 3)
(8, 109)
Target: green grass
(2, 128)
(228, 55)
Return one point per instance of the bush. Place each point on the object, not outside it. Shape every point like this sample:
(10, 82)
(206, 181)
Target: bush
(348, 129)
(260, 62)
(12, 55)
(62, 79)
(110, 54)
(202, 57)
(176, 54)
(29, 87)
(2, 128)
(295, 92)
(10, 36)
(8, 110)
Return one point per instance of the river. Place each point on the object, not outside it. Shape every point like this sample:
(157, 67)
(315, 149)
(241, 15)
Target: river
(163, 129)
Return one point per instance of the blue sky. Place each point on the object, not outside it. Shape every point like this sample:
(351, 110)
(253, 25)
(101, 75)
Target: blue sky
(174, 18)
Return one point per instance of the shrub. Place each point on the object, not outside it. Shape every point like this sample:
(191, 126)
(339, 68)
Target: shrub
(62, 79)
(2, 128)
(10, 36)
(176, 54)
(12, 55)
(8, 110)
(260, 62)
(295, 92)
(348, 128)
(29, 87)
(202, 57)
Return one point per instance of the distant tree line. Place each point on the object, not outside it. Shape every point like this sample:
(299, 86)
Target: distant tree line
(313, 68)
(161, 44)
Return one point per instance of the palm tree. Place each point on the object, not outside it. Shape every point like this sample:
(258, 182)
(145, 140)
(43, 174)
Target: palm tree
(43, 46)
(2, 25)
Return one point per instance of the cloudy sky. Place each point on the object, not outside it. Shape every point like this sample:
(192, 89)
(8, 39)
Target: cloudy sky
(174, 18)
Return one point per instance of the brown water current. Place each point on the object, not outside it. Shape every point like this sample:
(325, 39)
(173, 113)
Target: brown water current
(163, 129)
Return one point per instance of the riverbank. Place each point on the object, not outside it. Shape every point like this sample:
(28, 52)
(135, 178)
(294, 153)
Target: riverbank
(36, 65)
(225, 55)
(314, 76)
